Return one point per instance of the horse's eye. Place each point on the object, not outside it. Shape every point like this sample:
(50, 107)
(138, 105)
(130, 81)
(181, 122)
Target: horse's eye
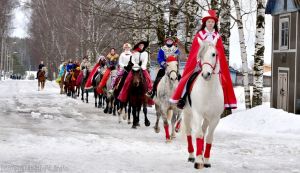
(213, 54)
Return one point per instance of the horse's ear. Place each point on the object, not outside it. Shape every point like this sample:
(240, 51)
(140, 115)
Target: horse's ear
(200, 41)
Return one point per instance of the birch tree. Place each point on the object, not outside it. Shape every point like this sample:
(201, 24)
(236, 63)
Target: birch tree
(259, 54)
(239, 21)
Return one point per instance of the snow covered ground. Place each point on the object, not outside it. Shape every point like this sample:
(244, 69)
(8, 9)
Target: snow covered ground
(42, 131)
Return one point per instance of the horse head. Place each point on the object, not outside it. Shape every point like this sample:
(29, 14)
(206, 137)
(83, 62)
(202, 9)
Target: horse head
(172, 68)
(208, 58)
(137, 77)
(85, 73)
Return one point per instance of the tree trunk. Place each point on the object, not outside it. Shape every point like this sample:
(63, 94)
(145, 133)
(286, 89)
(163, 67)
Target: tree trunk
(173, 17)
(190, 30)
(243, 53)
(259, 54)
(225, 26)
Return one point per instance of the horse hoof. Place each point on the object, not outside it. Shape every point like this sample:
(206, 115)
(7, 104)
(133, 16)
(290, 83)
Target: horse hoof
(191, 159)
(156, 129)
(95, 105)
(129, 122)
(105, 111)
(207, 165)
(133, 127)
(147, 123)
(168, 141)
(138, 125)
(198, 165)
(173, 136)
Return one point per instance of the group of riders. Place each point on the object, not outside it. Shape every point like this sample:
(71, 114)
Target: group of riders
(206, 69)
(137, 57)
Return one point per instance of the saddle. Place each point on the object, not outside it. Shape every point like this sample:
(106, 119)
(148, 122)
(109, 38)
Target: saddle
(189, 86)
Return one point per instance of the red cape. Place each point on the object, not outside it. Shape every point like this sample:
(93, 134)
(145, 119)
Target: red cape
(88, 84)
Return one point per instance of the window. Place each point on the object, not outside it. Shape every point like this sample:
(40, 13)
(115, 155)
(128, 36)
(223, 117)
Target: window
(284, 33)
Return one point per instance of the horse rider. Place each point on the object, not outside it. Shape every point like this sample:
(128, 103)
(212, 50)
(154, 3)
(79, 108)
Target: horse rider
(70, 66)
(168, 50)
(208, 32)
(62, 68)
(139, 58)
(111, 63)
(101, 63)
(85, 64)
(123, 62)
(41, 65)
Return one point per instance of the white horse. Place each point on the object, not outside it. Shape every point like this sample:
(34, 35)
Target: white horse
(207, 104)
(109, 94)
(164, 108)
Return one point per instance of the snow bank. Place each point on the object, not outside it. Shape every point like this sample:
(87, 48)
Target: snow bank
(263, 120)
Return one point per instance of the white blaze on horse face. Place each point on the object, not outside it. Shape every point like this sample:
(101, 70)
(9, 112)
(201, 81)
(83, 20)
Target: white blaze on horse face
(208, 60)
(172, 68)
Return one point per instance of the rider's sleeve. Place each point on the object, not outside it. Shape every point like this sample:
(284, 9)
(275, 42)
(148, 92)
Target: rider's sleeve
(121, 60)
(144, 60)
(161, 57)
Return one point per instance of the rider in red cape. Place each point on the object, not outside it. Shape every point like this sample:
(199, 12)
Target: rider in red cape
(100, 63)
(112, 63)
(208, 32)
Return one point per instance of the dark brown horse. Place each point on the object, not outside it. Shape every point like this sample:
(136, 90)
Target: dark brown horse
(137, 97)
(41, 78)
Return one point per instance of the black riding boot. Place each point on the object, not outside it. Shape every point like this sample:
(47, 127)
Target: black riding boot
(182, 101)
(159, 75)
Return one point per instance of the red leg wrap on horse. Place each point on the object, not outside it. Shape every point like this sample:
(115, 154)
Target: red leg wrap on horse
(190, 144)
(200, 144)
(167, 131)
(207, 150)
(178, 126)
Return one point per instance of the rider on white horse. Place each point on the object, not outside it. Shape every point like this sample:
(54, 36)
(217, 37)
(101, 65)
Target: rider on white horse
(208, 32)
(166, 51)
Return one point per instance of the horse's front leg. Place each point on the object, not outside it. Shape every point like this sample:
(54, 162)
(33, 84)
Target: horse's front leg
(173, 122)
(82, 94)
(209, 139)
(158, 115)
(166, 126)
(134, 115)
(87, 96)
(199, 163)
(147, 122)
(95, 96)
(187, 119)
(129, 112)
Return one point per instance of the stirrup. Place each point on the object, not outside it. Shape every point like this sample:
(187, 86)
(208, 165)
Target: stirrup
(181, 103)
(149, 93)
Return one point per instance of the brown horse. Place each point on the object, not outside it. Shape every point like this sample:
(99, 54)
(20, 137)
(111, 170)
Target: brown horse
(137, 97)
(70, 83)
(41, 78)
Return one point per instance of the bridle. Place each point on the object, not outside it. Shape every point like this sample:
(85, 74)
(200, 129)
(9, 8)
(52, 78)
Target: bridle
(172, 71)
(213, 66)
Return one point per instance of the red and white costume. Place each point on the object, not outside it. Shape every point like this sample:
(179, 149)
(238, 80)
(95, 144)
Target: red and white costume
(229, 96)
